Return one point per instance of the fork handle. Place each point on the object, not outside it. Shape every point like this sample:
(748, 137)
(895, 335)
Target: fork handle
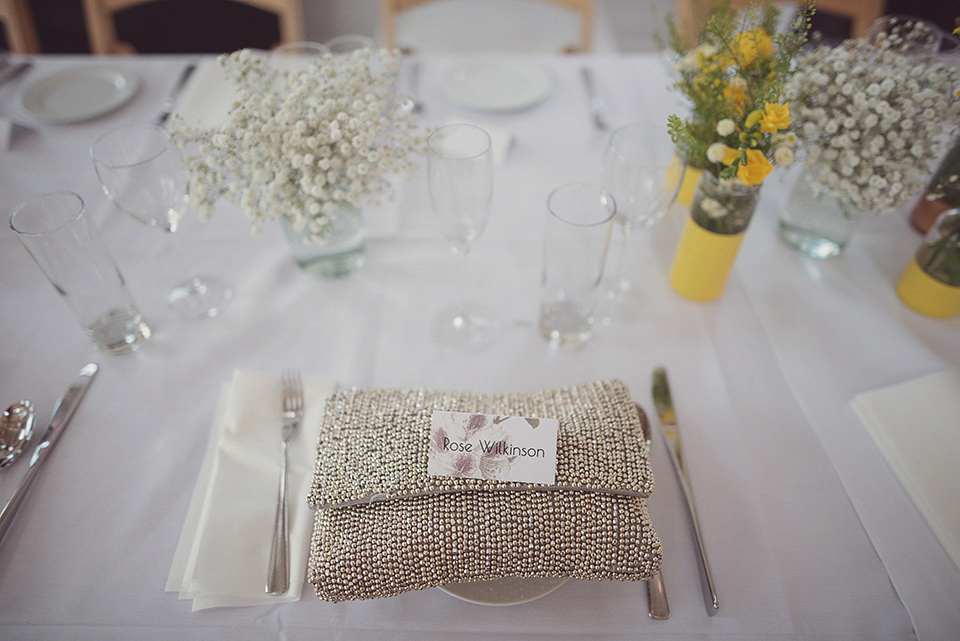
(278, 579)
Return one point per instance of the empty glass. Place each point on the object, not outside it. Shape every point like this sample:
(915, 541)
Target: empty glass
(642, 171)
(578, 229)
(68, 250)
(460, 175)
(140, 170)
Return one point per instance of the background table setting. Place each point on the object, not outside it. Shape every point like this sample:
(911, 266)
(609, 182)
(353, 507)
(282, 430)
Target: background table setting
(812, 526)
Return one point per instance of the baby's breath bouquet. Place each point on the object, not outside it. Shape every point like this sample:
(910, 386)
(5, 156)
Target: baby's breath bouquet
(303, 142)
(739, 124)
(872, 118)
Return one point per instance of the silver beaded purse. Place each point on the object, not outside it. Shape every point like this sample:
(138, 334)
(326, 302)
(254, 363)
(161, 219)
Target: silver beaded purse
(384, 526)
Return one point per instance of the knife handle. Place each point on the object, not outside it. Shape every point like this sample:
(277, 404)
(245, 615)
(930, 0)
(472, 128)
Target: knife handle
(10, 509)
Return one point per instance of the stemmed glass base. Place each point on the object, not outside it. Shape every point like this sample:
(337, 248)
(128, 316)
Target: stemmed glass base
(466, 327)
(199, 297)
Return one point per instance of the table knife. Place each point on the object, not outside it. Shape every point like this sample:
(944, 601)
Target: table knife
(12, 73)
(668, 422)
(62, 413)
(596, 103)
(171, 102)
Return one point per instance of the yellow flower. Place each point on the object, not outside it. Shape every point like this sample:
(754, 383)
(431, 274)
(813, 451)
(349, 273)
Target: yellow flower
(747, 46)
(736, 96)
(730, 156)
(756, 169)
(775, 118)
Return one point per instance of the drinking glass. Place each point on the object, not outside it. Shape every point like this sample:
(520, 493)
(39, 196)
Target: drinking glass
(575, 245)
(643, 172)
(68, 249)
(140, 170)
(460, 176)
(349, 43)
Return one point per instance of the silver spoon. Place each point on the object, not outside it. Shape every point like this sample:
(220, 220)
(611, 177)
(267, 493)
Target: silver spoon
(16, 428)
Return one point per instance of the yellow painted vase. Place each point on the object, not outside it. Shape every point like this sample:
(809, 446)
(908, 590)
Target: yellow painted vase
(712, 234)
(931, 282)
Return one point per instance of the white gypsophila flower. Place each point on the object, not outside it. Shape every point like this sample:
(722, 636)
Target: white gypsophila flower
(783, 155)
(872, 119)
(302, 143)
(716, 151)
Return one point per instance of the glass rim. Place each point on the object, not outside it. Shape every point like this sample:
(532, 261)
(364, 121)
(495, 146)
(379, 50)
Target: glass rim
(430, 141)
(598, 190)
(134, 125)
(77, 198)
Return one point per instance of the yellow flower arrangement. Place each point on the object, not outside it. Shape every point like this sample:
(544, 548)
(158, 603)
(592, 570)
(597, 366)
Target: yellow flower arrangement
(734, 80)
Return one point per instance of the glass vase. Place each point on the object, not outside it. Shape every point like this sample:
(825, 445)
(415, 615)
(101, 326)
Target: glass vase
(341, 251)
(930, 284)
(712, 234)
(815, 221)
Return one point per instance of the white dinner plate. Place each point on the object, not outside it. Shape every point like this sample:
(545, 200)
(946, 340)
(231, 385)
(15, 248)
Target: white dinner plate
(78, 94)
(496, 83)
(505, 591)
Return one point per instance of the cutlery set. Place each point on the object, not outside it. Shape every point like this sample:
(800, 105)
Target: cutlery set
(62, 413)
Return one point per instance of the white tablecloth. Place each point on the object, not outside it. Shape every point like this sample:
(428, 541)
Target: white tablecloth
(810, 534)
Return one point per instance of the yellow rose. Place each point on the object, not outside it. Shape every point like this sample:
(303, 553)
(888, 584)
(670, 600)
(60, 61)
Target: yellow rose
(756, 169)
(750, 45)
(730, 156)
(775, 118)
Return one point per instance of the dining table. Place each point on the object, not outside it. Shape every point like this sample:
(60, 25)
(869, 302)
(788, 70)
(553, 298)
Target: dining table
(810, 531)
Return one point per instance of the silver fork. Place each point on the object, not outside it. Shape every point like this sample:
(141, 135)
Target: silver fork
(278, 580)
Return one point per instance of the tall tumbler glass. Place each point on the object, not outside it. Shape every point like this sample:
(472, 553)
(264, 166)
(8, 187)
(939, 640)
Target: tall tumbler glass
(578, 230)
(66, 246)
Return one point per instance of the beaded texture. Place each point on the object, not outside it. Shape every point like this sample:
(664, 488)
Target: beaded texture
(383, 526)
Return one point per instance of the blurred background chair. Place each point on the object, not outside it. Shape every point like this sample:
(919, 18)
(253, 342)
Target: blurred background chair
(470, 26)
(690, 16)
(18, 26)
(103, 18)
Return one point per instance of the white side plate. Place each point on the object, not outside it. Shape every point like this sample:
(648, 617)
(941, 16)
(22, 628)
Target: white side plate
(496, 83)
(505, 591)
(78, 94)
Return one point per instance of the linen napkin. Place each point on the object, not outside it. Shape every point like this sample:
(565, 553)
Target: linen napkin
(223, 554)
(500, 139)
(916, 425)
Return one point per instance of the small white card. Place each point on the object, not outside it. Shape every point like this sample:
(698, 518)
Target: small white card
(492, 447)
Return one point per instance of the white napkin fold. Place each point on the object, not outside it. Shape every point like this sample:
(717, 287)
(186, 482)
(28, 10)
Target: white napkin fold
(500, 139)
(223, 554)
(6, 129)
(916, 425)
(206, 99)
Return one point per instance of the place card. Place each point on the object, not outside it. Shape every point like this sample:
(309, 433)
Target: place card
(493, 447)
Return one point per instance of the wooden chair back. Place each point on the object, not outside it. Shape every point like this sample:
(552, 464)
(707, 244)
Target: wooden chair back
(102, 33)
(18, 22)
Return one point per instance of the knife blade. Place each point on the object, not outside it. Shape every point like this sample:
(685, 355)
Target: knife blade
(596, 103)
(17, 69)
(171, 102)
(62, 413)
(663, 401)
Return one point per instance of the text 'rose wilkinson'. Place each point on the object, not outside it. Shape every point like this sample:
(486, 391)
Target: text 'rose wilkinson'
(492, 447)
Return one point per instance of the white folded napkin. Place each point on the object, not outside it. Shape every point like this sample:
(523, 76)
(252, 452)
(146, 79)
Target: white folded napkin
(223, 554)
(6, 129)
(917, 427)
(206, 99)
(500, 138)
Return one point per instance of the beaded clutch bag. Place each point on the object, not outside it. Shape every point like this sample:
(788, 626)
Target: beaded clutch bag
(384, 526)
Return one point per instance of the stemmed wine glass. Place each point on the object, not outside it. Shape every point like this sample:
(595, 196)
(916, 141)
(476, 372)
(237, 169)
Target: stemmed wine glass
(643, 172)
(140, 170)
(460, 175)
